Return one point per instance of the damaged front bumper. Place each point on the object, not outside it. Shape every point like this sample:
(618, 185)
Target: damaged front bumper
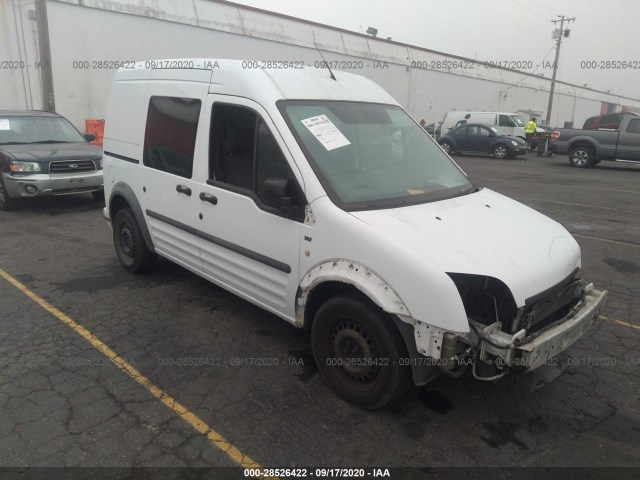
(536, 350)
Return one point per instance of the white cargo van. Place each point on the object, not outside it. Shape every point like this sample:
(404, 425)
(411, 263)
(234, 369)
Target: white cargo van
(322, 201)
(506, 123)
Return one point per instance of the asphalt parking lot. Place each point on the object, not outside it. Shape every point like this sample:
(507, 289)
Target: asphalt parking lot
(191, 398)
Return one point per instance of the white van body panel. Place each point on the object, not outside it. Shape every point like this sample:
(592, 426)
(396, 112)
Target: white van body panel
(484, 233)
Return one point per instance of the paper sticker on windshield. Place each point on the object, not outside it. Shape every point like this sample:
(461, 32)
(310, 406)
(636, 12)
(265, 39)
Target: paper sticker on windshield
(4, 124)
(326, 132)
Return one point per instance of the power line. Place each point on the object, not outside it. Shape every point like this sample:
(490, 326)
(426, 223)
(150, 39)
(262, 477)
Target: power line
(540, 3)
(532, 11)
(509, 20)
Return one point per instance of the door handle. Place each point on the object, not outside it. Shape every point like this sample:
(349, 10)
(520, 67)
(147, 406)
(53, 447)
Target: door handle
(212, 199)
(183, 189)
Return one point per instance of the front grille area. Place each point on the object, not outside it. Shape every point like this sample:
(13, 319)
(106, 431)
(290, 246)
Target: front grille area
(72, 166)
(553, 308)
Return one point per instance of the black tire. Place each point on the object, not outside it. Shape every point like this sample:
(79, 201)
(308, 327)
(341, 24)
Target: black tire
(447, 147)
(581, 157)
(98, 195)
(500, 151)
(349, 327)
(130, 247)
(6, 202)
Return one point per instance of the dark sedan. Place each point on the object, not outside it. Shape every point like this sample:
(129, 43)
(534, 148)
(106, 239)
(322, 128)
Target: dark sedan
(481, 138)
(42, 153)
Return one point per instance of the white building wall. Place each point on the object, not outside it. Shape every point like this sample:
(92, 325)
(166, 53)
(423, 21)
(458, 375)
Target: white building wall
(110, 30)
(20, 84)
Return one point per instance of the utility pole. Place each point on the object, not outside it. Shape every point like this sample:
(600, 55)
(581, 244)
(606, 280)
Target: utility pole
(46, 71)
(555, 63)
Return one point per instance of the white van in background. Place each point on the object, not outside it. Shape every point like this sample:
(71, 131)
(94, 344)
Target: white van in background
(506, 123)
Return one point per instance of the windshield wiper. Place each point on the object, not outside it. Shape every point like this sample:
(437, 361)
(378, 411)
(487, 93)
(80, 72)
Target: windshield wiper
(15, 143)
(51, 141)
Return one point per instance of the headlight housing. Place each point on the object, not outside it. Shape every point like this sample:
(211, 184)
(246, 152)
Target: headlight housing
(24, 167)
(514, 143)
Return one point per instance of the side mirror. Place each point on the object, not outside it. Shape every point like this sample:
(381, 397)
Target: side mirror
(89, 137)
(274, 193)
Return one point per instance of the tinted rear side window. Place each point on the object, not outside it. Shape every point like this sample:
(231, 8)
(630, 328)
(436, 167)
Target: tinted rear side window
(170, 135)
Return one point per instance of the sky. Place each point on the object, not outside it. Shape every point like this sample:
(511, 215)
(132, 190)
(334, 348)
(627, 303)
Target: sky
(601, 51)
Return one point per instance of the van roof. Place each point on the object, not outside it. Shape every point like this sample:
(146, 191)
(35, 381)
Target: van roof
(283, 80)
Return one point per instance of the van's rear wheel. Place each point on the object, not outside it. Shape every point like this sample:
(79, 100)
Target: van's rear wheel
(358, 349)
(131, 249)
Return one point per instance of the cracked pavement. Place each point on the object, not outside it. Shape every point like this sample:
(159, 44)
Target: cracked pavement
(62, 403)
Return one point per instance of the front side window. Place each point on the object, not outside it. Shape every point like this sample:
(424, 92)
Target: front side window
(170, 135)
(506, 121)
(480, 131)
(245, 157)
(371, 156)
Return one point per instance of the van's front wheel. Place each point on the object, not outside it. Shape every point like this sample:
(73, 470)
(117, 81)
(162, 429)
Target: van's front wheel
(359, 352)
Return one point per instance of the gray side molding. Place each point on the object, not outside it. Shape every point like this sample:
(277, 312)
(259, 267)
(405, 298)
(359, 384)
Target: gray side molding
(123, 190)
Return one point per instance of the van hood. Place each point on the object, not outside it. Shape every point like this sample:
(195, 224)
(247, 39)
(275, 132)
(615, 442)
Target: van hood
(484, 233)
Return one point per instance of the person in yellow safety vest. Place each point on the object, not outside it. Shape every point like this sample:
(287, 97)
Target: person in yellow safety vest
(529, 129)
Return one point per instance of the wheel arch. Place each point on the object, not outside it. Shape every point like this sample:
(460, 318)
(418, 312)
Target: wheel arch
(336, 276)
(582, 143)
(122, 196)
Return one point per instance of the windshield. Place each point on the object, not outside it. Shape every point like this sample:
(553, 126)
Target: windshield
(372, 156)
(27, 129)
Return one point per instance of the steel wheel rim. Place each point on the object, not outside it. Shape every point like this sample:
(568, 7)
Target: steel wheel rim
(127, 242)
(350, 341)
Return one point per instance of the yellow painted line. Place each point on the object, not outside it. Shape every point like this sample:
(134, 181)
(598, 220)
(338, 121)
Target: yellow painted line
(619, 322)
(183, 412)
(607, 240)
